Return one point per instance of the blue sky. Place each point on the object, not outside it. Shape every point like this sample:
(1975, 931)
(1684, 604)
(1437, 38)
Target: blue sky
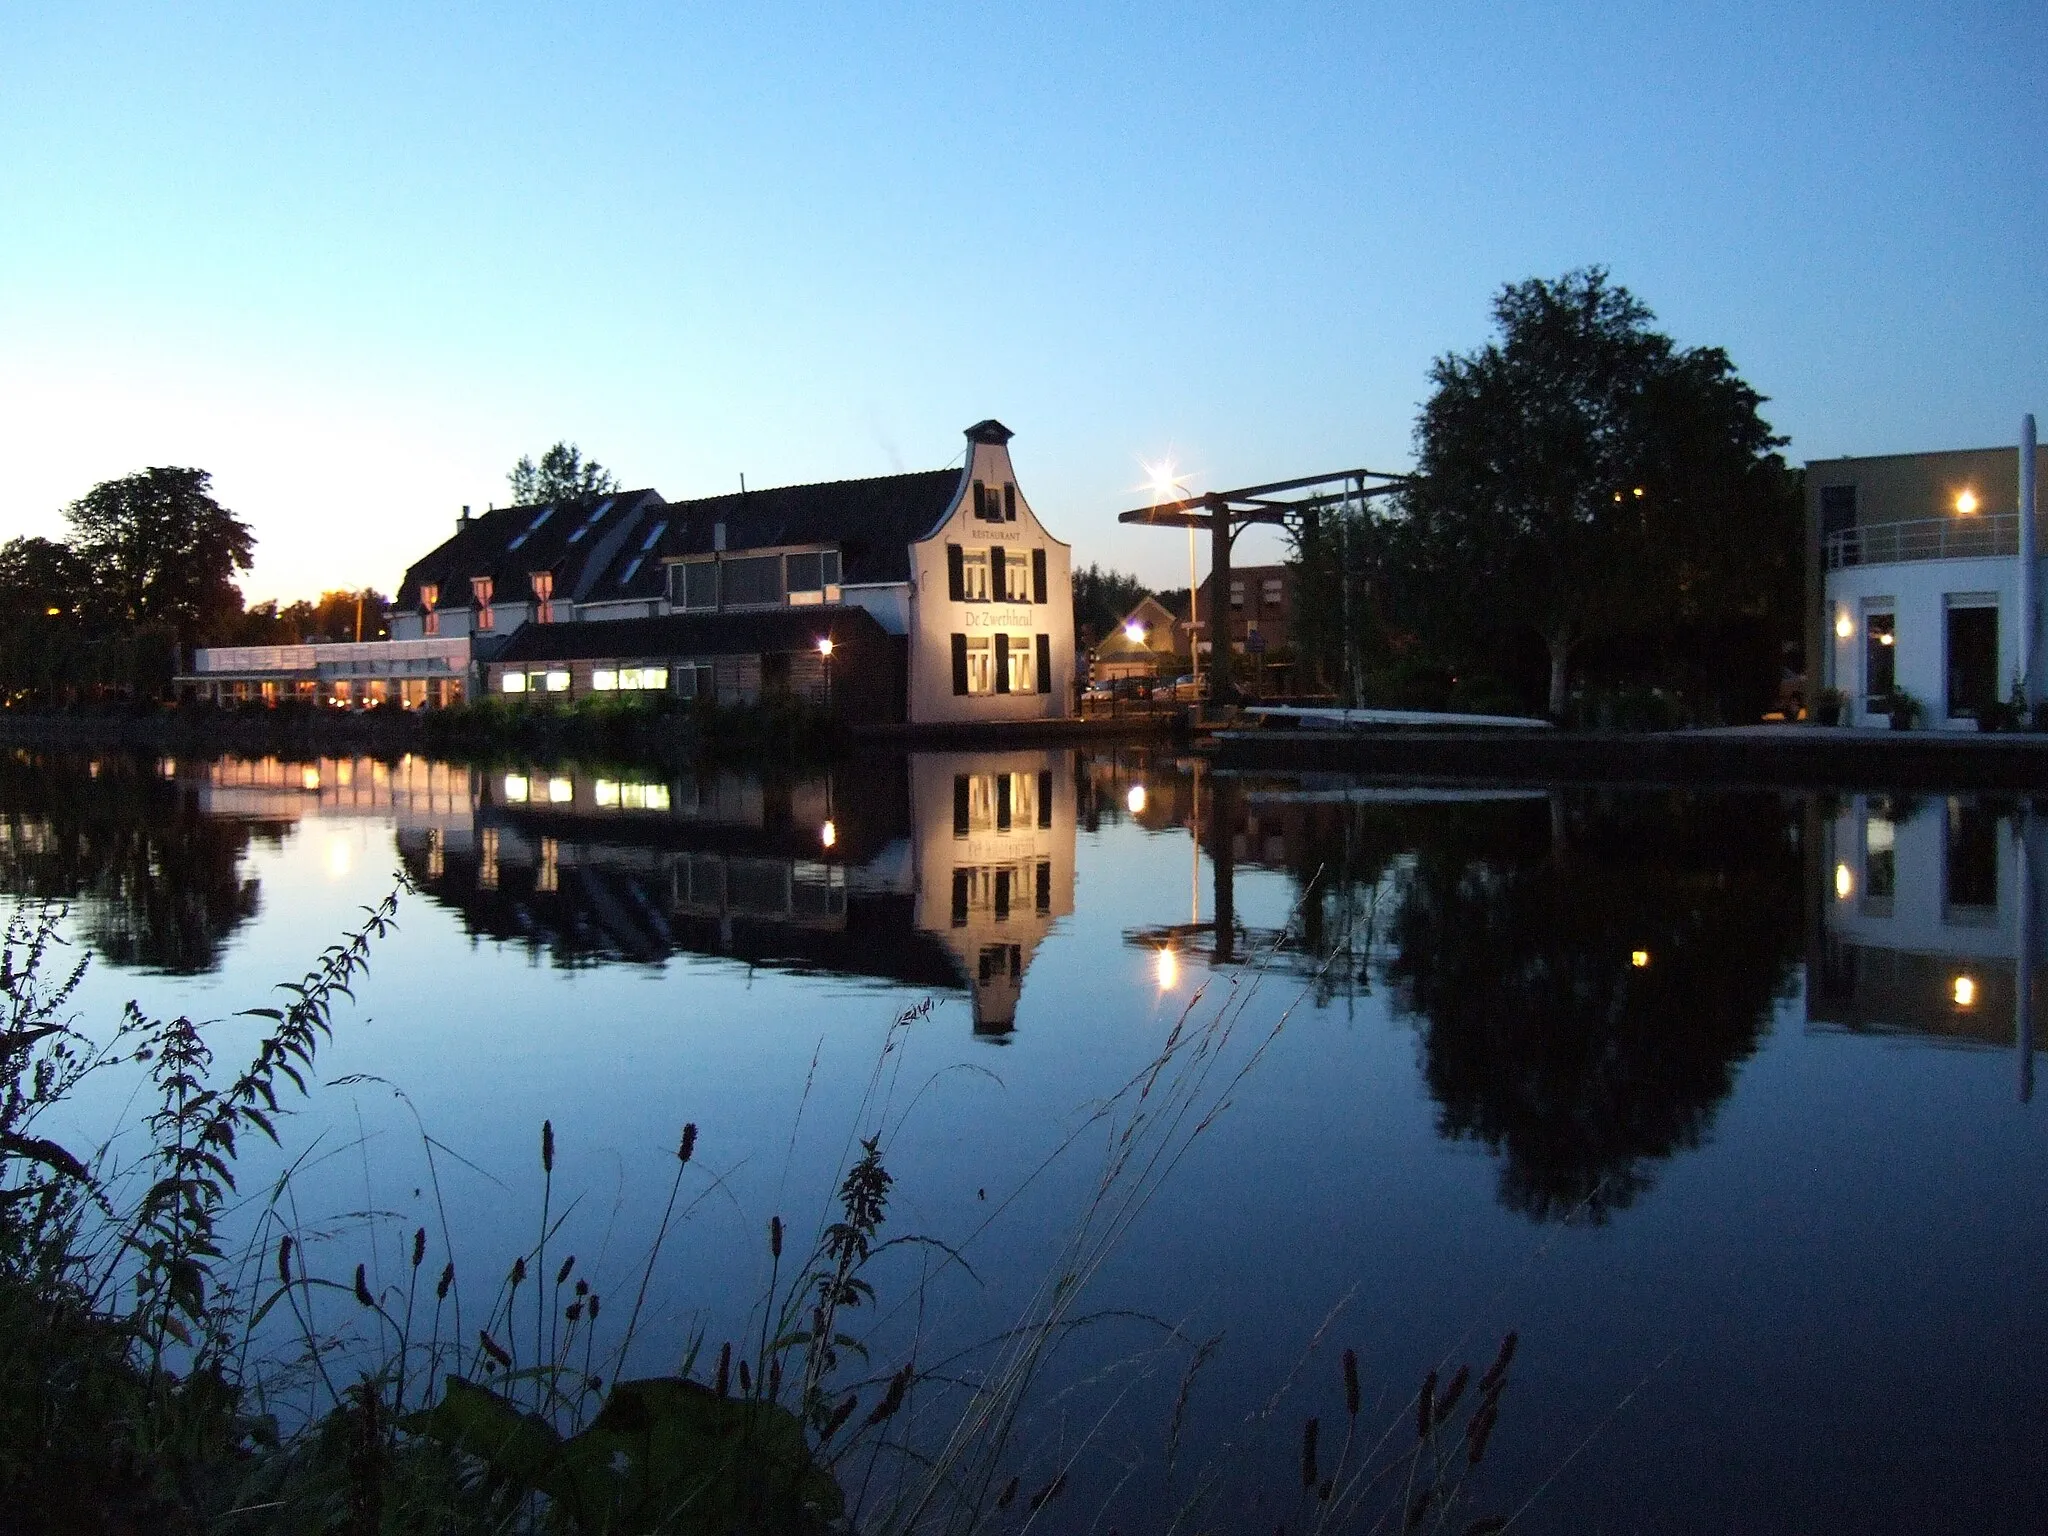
(356, 259)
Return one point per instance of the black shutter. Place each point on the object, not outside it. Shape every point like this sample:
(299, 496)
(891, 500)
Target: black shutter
(1009, 501)
(959, 805)
(1038, 575)
(1044, 663)
(1002, 895)
(959, 663)
(956, 573)
(1045, 799)
(980, 500)
(1002, 664)
(995, 574)
(1002, 802)
(960, 893)
(1044, 892)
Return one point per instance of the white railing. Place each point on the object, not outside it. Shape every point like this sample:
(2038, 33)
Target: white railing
(371, 656)
(1933, 538)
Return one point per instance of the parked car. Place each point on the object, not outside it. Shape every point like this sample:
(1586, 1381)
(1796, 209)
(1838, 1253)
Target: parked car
(1110, 690)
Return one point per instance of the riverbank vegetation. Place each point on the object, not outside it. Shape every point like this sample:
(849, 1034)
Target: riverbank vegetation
(177, 1355)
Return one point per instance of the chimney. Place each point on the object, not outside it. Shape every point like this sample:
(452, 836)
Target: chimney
(462, 522)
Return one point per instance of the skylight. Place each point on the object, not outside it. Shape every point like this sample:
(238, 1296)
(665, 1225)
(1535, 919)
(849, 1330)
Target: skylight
(655, 537)
(531, 528)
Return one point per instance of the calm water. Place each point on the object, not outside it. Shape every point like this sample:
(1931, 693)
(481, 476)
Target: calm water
(1718, 1099)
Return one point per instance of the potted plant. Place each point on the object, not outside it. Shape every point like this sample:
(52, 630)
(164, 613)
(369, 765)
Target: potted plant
(1828, 706)
(1905, 710)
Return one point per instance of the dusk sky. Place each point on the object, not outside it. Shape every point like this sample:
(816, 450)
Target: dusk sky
(355, 260)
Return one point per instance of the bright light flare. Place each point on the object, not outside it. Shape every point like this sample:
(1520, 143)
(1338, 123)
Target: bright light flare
(1966, 502)
(309, 779)
(1136, 799)
(340, 858)
(1844, 625)
(1163, 481)
(1845, 883)
(828, 835)
(1964, 991)
(1134, 632)
(1640, 959)
(824, 645)
(1166, 969)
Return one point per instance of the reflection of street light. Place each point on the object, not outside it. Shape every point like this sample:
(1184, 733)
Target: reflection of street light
(1168, 969)
(1136, 799)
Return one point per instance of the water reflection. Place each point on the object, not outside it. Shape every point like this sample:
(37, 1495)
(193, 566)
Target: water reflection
(1587, 970)
(152, 873)
(1927, 920)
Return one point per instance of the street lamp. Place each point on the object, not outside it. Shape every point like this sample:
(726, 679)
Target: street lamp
(825, 649)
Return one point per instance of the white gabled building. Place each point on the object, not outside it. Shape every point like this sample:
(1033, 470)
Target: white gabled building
(953, 567)
(1925, 582)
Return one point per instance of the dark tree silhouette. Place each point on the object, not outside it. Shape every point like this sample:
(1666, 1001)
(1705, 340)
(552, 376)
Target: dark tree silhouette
(157, 550)
(1588, 981)
(1585, 477)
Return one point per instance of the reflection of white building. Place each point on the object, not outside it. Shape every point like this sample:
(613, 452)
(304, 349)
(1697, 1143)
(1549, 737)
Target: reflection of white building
(993, 841)
(1928, 920)
(1917, 581)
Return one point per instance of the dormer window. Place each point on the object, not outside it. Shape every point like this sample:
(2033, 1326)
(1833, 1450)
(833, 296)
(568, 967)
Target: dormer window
(480, 594)
(430, 620)
(543, 596)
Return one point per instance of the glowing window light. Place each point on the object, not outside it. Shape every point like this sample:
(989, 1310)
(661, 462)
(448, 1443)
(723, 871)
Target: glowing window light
(1845, 883)
(1136, 799)
(309, 778)
(513, 682)
(516, 789)
(1640, 959)
(560, 791)
(558, 682)
(606, 794)
(1964, 991)
(604, 680)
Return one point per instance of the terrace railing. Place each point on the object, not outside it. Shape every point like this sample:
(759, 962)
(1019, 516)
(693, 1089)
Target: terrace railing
(1933, 538)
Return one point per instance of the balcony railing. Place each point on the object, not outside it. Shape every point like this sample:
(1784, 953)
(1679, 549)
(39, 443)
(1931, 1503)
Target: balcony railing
(1933, 538)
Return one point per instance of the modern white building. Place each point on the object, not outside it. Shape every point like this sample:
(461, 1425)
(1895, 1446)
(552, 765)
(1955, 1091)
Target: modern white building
(1925, 583)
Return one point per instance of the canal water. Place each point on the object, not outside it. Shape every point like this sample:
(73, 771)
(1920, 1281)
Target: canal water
(1723, 1102)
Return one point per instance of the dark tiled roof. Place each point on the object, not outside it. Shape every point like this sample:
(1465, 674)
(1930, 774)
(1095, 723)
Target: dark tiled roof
(759, 632)
(874, 522)
(577, 544)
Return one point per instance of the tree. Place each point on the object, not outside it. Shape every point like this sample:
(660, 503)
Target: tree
(1585, 477)
(157, 550)
(39, 579)
(561, 476)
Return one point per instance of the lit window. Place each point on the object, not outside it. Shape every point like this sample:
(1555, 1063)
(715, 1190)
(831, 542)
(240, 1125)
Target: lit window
(558, 682)
(644, 797)
(643, 677)
(981, 659)
(513, 682)
(561, 791)
(515, 789)
(606, 794)
(974, 577)
(603, 680)
(1016, 579)
(1021, 678)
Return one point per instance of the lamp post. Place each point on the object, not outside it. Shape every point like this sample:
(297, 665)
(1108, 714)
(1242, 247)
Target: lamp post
(825, 649)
